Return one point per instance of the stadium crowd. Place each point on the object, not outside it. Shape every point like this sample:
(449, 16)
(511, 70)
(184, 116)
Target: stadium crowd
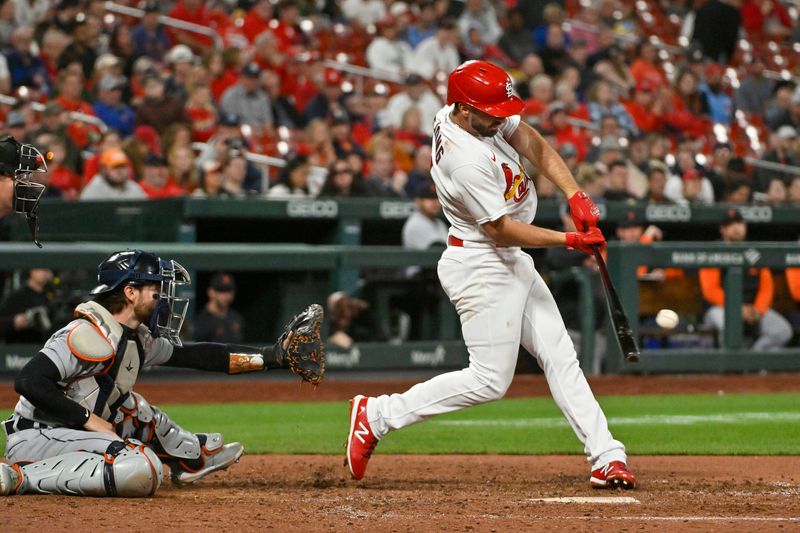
(647, 101)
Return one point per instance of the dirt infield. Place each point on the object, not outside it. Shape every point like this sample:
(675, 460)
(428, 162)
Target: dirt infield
(442, 493)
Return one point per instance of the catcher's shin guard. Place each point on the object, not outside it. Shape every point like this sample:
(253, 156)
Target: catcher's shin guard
(214, 456)
(127, 469)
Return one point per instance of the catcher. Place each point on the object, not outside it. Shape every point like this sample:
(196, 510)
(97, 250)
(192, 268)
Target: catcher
(80, 429)
(18, 161)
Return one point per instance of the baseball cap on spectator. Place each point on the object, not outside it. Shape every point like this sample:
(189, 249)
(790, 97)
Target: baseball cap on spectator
(731, 216)
(229, 119)
(149, 136)
(106, 61)
(251, 70)
(691, 174)
(223, 282)
(110, 83)
(786, 133)
(180, 53)
(149, 7)
(399, 8)
(113, 157)
(714, 69)
(568, 150)
(332, 76)
(52, 108)
(143, 65)
(631, 219)
(426, 189)
(15, 119)
(556, 106)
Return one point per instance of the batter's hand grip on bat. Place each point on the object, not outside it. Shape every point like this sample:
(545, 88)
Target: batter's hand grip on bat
(622, 328)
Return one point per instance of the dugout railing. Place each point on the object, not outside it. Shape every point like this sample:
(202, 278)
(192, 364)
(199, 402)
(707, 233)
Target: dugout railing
(732, 353)
(292, 275)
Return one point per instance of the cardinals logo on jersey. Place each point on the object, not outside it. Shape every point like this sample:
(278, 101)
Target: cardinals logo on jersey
(517, 185)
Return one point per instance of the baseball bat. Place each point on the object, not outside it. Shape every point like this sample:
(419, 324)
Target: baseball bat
(619, 319)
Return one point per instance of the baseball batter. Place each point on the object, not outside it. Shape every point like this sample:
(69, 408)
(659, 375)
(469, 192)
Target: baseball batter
(500, 297)
(80, 429)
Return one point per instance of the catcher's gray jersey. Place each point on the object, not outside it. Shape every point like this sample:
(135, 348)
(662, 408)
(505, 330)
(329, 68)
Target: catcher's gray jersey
(99, 361)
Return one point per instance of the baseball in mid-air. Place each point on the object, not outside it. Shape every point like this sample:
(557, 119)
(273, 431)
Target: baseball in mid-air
(667, 319)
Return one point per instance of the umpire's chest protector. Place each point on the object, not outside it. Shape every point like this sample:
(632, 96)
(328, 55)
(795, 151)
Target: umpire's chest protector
(114, 355)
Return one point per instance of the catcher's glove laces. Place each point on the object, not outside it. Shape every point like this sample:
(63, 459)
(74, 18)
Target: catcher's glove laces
(304, 353)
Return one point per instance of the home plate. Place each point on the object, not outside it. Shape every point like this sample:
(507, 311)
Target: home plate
(603, 500)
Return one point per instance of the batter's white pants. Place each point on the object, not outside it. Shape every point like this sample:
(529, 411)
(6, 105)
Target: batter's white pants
(502, 302)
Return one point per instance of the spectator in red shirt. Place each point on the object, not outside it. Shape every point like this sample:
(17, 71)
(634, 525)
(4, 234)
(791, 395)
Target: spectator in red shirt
(155, 179)
(70, 90)
(287, 30)
(191, 11)
(202, 113)
(646, 67)
(60, 176)
(223, 68)
(644, 109)
(565, 133)
(765, 18)
(257, 20)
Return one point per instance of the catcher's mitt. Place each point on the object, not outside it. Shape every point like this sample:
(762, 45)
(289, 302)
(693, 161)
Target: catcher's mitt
(305, 353)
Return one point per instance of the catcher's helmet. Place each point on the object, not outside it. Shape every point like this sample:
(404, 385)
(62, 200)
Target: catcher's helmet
(483, 86)
(135, 267)
(19, 160)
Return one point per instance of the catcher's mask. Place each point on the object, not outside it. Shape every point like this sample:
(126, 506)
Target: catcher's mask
(135, 267)
(20, 161)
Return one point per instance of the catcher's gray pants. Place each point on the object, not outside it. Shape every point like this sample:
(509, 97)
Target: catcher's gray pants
(74, 461)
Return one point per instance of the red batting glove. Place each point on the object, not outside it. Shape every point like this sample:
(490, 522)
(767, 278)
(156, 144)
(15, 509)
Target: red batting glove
(583, 210)
(586, 241)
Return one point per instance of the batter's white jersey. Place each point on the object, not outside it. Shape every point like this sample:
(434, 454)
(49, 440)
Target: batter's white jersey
(501, 299)
(479, 179)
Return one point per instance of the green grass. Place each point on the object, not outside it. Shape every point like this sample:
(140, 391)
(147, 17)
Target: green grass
(734, 424)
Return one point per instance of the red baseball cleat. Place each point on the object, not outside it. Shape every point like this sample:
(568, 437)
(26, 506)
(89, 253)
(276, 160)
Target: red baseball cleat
(614, 475)
(361, 441)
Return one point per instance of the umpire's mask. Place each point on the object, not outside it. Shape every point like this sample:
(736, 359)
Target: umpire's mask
(20, 161)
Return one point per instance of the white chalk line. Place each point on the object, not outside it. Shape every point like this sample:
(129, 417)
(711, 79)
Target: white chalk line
(662, 420)
(634, 518)
(603, 500)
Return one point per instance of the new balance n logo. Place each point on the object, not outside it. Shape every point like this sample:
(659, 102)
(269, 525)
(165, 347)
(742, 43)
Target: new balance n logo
(361, 433)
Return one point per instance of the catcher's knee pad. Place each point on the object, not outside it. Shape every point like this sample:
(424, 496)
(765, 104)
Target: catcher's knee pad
(126, 469)
(155, 428)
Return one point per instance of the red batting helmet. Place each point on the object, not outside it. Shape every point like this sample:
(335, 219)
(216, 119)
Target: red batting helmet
(483, 86)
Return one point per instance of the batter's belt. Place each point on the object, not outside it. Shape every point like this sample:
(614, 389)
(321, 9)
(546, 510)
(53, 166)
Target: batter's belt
(452, 240)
